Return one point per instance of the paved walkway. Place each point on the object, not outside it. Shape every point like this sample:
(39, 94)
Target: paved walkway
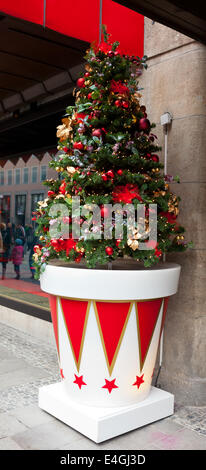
(25, 289)
(26, 364)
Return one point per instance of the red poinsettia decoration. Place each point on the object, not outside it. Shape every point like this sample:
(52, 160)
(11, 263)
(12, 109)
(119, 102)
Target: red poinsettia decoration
(106, 47)
(61, 244)
(119, 87)
(80, 116)
(126, 193)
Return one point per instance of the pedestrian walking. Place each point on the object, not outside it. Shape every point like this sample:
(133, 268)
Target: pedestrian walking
(10, 230)
(17, 256)
(20, 233)
(6, 240)
(35, 241)
(29, 236)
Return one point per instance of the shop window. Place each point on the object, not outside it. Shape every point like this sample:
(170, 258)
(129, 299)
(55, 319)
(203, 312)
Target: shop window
(20, 208)
(5, 209)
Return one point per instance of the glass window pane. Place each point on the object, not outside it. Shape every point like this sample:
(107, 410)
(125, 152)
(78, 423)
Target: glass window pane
(9, 177)
(43, 172)
(20, 208)
(34, 174)
(2, 177)
(17, 176)
(25, 175)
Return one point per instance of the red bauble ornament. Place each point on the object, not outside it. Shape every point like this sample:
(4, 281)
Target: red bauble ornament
(109, 250)
(120, 172)
(36, 248)
(155, 158)
(144, 124)
(65, 149)
(118, 241)
(78, 145)
(104, 212)
(104, 177)
(89, 96)
(51, 193)
(80, 83)
(118, 103)
(97, 133)
(87, 74)
(125, 104)
(110, 174)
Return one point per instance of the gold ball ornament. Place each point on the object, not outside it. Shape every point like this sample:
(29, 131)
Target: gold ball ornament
(80, 250)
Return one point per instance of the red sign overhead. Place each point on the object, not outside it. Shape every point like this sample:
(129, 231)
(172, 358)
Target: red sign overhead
(81, 20)
(32, 10)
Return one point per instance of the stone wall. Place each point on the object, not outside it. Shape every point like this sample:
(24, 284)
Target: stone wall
(175, 82)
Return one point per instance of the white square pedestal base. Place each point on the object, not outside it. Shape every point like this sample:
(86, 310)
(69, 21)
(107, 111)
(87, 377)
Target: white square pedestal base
(100, 424)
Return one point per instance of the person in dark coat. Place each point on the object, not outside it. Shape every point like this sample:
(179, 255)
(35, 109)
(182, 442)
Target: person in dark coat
(20, 233)
(6, 238)
(17, 256)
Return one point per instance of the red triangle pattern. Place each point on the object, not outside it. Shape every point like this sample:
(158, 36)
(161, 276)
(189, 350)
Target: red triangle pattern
(112, 317)
(53, 308)
(147, 315)
(75, 312)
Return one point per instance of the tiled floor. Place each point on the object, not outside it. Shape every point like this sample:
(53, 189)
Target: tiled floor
(26, 364)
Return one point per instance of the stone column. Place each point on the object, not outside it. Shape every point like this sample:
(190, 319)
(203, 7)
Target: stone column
(175, 82)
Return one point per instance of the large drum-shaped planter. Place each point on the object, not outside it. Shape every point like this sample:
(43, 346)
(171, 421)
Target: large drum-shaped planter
(107, 326)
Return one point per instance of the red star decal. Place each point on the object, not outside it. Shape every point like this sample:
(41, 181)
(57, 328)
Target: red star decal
(139, 380)
(79, 381)
(110, 385)
(61, 372)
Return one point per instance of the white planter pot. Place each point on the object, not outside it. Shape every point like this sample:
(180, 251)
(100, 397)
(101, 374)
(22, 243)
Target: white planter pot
(107, 326)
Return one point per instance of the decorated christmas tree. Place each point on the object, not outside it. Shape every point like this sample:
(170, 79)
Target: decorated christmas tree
(107, 155)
